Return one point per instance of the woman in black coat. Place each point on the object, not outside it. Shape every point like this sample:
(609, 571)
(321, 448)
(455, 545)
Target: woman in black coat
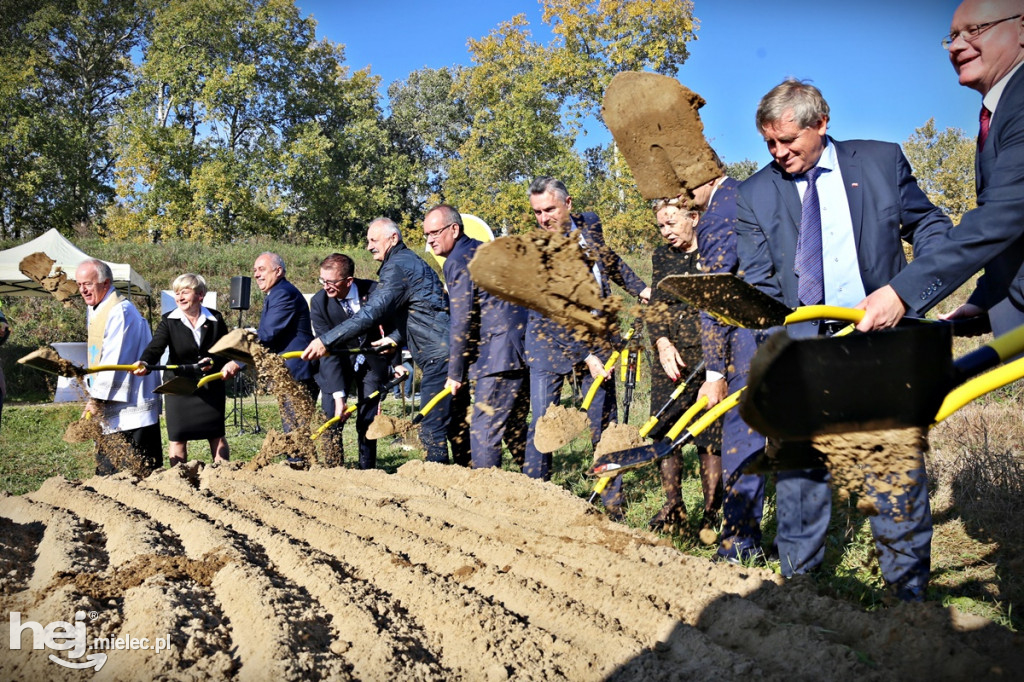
(677, 339)
(188, 332)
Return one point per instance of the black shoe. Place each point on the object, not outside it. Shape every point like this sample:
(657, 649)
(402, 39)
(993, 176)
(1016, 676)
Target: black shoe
(297, 463)
(670, 519)
(615, 513)
(709, 521)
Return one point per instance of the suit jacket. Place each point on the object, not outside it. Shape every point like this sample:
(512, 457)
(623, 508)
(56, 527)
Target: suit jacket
(176, 337)
(885, 205)
(338, 371)
(284, 326)
(487, 333)
(551, 346)
(991, 235)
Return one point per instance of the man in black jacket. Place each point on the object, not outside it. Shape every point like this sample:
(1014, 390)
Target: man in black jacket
(341, 297)
(410, 298)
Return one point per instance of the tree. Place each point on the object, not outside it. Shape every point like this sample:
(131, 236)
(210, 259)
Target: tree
(741, 170)
(944, 166)
(66, 71)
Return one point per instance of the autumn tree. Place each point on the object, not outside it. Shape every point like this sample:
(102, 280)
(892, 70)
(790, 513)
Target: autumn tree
(943, 164)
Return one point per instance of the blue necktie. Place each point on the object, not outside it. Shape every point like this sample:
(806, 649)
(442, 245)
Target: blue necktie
(811, 279)
(347, 307)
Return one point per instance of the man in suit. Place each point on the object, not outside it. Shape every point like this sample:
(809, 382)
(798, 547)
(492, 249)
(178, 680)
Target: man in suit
(409, 297)
(485, 346)
(727, 354)
(284, 326)
(822, 224)
(342, 296)
(551, 351)
(986, 47)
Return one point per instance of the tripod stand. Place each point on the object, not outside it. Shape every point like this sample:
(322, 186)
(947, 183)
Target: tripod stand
(239, 388)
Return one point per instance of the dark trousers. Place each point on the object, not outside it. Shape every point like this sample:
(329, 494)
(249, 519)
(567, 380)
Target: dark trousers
(743, 501)
(367, 383)
(546, 390)
(500, 410)
(447, 421)
(145, 443)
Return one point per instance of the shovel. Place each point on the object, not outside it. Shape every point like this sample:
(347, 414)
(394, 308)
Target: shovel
(614, 463)
(352, 408)
(391, 426)
(653, 421)
(803, 455)
(48, 360)
(185, 385)
(563, 439)
(890, 379)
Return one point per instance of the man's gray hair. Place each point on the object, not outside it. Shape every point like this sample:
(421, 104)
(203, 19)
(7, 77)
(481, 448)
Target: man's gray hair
(275, 260)
(388, 225)
(102, 270)
(546, 183)
(449, 214)
(800, 97)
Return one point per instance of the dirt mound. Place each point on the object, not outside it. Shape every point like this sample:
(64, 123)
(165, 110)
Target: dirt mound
(558, 426)
(435, 572)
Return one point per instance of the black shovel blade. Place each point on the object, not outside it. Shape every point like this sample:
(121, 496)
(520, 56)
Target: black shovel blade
(896, 378)
(728, 299)
(614, 463)
(178, 386)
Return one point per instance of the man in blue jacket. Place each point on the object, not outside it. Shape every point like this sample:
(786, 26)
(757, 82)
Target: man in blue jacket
(485, 346)
(410, 298)
(284, 326)
(551, 350)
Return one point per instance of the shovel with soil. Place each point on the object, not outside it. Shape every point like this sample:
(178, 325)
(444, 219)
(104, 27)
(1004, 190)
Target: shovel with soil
(560, 425)
(48, 360)
(352, 408)
(384, 425)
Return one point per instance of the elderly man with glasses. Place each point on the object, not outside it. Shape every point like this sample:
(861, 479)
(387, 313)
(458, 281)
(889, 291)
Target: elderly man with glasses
(342, 295)
(986, 48)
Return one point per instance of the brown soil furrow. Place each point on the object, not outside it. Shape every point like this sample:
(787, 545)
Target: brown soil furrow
(68, 544)
(469, 633)
(521, 583)
(368, 635)
(288, 637)
(128, 532)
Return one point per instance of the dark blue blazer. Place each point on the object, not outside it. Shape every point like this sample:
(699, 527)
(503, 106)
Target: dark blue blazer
(284, 326)
(990, 236)
(550, 346)
(886, 205)
(337, 371)
(487, 333)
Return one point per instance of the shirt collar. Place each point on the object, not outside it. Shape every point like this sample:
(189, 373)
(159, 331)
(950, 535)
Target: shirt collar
(991, 99)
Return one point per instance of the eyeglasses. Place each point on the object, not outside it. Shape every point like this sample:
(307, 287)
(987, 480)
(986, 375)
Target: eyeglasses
(431, 235)
(970, 33)
(333, 282)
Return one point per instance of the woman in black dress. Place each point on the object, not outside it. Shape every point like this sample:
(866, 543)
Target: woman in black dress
(677, 339)
(188, 332)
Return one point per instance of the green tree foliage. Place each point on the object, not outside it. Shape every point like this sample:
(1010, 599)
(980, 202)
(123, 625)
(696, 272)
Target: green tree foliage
(244, 124)
(943, 164)
(741, 170)
(66, 69)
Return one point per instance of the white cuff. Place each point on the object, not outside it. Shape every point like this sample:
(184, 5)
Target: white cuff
(712, 375)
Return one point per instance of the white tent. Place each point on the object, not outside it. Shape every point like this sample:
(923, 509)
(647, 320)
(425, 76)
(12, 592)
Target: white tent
(68, 256)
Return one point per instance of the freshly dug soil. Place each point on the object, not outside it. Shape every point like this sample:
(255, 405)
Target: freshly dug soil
(48, 360)
(618, 437)
(433, 573)
(386, 425)
(558, 426)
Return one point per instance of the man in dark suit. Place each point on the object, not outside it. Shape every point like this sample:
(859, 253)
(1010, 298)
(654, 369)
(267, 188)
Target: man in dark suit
(822, 224)
(284, 325)
(341, 297)
(409, 297)
(485, 346)
(551, 351)
(986, 47)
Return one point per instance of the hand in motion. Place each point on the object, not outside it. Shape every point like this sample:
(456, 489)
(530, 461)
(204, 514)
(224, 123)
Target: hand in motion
(670, 359)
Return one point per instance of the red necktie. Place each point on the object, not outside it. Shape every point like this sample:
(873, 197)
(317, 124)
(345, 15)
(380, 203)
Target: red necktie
(985, 118)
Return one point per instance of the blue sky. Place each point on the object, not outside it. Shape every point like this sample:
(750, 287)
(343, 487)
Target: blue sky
(879, 63)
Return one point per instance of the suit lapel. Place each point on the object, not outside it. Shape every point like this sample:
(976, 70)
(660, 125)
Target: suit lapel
(853, 182)
(789, 198)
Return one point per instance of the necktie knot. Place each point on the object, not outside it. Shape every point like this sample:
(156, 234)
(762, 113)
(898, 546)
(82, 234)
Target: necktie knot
(813, 174)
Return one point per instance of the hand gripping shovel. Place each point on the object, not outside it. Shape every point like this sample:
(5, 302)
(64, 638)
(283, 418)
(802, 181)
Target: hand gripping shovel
(352, 408)
(890, 379)
(384, 425)
(552, 437)
(614, 463)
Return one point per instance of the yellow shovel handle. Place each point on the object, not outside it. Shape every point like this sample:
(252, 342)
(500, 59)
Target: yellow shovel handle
(597, 382)
(824, 312)
(324, 427)
(116, 368)
(709, 417)
(653, 421)
(434, 401)
(687, 417)
(208, 378)
(601, 484)
(980, 385)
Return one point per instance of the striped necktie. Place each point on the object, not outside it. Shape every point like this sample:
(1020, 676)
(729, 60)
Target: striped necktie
(811, 278)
